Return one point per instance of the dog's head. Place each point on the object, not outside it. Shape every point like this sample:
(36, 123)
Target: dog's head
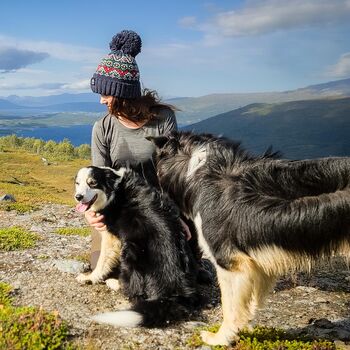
(95, 187)
(180, 151)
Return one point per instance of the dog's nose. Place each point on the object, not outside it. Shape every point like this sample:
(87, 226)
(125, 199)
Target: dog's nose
(79, 197)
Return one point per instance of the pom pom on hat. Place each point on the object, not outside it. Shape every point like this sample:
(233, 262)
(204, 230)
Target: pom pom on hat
(126, 41)
(117, 73)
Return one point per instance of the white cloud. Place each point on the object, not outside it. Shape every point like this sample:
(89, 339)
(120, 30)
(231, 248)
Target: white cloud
(260, 17)
(78, 85)
(342, 68)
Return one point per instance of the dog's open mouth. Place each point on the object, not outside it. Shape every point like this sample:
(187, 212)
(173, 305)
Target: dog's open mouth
(81, 207)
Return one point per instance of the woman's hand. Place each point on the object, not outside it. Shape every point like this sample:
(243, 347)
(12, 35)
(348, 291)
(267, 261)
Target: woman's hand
(95, 220)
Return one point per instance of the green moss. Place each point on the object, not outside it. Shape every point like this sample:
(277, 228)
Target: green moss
(5, 297)
(85, 258)
(78, 231)
(13, 238)
(32, 328)
(264, 338)
(29, 327)
(21, 208)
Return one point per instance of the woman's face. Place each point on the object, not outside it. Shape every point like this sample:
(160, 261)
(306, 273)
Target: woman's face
(107, 100)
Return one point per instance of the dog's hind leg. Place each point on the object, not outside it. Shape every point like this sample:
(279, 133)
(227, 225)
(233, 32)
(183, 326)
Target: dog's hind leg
(239, 296)
(109, 259)
(263, 284)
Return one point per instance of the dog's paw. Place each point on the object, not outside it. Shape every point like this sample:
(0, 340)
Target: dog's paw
(113, 284)
(89, 278)
(83, 278)
(216, 338)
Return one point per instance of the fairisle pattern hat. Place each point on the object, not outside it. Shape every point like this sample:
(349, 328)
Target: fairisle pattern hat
(118, 74)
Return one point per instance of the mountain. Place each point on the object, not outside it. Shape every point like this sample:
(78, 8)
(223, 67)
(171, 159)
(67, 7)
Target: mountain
(41, 101)
(191, 109)
(74, 107)
(195, 109)
(5, 105)
(299, 129)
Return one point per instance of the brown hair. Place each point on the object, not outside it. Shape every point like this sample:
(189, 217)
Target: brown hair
(143, 108)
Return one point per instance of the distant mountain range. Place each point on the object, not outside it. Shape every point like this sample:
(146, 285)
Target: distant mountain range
(309, 122)
(299, 129)
(191, 109)
(195, 109)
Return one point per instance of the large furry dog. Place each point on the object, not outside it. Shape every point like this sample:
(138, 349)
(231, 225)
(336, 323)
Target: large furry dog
(144, 239)
(256, 217)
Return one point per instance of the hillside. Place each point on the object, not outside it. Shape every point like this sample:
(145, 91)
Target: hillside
(43, 276)
(195, 109)
(300, 129)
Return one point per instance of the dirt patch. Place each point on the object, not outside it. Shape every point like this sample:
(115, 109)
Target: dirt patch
(316, 303)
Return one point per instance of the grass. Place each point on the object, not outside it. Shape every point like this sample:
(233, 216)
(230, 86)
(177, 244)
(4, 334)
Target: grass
(30, 327)
(264, 338)
(14, 238)
(32, 183)
(77, 231)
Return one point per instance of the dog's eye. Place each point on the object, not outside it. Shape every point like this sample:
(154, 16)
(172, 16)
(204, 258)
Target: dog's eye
(92, 182)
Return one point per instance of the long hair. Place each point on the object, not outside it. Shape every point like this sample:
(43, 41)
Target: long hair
(141, 109)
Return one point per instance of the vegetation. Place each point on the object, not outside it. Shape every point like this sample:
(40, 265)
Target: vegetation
(29, 327)
(13, 238)
(78, 231)
(264, 338)
(299, 129)
(51, 150)
(32, 182)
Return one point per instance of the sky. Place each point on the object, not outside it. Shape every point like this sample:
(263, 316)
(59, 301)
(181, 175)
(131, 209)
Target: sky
(189, 48)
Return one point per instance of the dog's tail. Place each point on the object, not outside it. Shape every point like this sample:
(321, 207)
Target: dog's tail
(150, 313)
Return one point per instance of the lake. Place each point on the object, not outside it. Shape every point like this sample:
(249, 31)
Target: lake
(77, 134)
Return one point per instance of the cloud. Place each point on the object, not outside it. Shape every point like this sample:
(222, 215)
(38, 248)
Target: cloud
(78, 85)
(342, 68)
(187, 22)
(44, 86)
(12, 59)
(261, 17)
(58, 50)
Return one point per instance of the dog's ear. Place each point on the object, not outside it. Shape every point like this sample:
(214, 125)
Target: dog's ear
(118, 176)
(159, 141)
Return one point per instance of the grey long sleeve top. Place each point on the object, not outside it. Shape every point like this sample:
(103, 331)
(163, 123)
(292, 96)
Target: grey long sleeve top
(113, 143)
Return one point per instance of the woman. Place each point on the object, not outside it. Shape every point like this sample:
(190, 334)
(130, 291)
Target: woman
(120, 136)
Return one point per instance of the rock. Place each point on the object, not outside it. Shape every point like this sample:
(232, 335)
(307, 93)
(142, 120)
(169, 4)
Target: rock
(8, 198)
(70, 266)
(324, 328)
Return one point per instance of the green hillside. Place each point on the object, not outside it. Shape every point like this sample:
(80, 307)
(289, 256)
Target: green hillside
(196, 109)
(299, 129)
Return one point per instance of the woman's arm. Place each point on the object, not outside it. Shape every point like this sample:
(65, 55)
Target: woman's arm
(100, 157)
(99, 148)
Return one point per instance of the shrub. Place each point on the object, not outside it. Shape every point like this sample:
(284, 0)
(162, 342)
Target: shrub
(13, 238)
(29, 327)
(264, 338)
(78, 231)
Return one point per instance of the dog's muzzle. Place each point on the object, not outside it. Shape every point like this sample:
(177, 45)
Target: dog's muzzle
(84, 206)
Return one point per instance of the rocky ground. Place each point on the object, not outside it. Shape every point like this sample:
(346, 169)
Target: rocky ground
(317, 303)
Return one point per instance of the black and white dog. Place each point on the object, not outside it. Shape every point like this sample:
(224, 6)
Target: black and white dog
(145, 239)
(256, 217)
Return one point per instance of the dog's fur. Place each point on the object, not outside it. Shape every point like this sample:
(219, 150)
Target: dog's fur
(256, 217)
(144, 238)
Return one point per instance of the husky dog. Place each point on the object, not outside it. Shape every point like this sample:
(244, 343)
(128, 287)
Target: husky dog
(256, 217)
(144, 239)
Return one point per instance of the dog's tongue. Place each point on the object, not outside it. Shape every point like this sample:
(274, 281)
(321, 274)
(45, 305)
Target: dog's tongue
(81, 207)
